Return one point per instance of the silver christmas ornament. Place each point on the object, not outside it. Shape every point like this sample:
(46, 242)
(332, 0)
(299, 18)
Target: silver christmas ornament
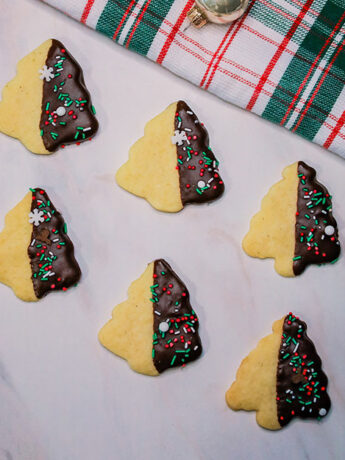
(218, 11)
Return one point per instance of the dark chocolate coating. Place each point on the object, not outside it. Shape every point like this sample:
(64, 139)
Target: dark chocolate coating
(314, 214)
(180, 343)
(301, 383)
(51, 252)
(66, 91)
(196, 161)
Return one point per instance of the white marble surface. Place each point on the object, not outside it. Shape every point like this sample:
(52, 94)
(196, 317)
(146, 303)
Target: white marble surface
(62, 396)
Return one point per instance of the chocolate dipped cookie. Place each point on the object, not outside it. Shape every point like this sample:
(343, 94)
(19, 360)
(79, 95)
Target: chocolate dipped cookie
(36, 254)
(282, 378)
(155, 328)
(295, 225)
(173, 164)
(47, 105)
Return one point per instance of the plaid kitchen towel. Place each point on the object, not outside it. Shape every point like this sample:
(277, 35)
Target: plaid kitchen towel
(283, 60)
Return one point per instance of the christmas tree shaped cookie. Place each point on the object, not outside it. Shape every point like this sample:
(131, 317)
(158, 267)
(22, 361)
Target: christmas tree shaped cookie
(295, 225)
(282, 378)
(36, 255)
(47, 104)
(156, 328)
(172, 165)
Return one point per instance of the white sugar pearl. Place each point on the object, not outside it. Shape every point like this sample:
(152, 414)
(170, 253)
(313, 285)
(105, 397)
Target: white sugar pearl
(322, 412)
(201, 184)
(60, 111)
(163, 326)
(329, 230)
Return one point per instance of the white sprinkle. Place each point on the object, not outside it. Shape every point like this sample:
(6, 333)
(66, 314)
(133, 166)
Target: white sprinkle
(186, 346)
(212, 179)
(302, 408)
(193, 329)
(188, 129)
(87, 129)
(60, 111)
(309, 202)
(163, 326)
(56, 239)
(189, 112)
(296, 347)
(324, 212)
(196, 347)
(329, 230)
(179, 125)
(177, 332)
(196, 121)
(185, 330)
(33, 242)
(157, 313)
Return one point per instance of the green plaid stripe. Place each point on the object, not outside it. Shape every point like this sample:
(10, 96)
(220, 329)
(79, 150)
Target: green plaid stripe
(298, 70)
(266, 14)
(145, 28)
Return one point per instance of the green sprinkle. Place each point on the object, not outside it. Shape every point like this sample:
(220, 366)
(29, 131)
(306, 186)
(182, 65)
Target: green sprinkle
(41, 133)
(297, 258)
(65, 228)
(173, 360)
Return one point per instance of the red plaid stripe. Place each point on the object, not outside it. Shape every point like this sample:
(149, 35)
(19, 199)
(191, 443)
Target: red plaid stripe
(174, 31)
(306, 78)
(278, 54)
(237, 28)
(130, 6)
(86, 11)
(322, 79)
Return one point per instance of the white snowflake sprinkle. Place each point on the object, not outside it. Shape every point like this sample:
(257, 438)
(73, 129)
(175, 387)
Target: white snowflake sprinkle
(47, 73)
(179, 137)
(36, 217)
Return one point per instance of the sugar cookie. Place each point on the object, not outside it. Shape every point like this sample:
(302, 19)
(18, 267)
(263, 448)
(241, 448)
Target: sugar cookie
(295, 225)
(172, 165)
(36, 255)
(282, 378)
(47, 105)
(156, 328)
